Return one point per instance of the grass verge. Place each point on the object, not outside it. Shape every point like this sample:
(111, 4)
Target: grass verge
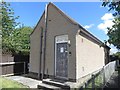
(6, 83)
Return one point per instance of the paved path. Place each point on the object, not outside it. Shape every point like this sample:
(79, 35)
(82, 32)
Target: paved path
(114, 81)
(31, 83)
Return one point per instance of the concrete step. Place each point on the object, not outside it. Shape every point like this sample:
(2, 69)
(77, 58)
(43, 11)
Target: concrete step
(57, 84)
(43, 86)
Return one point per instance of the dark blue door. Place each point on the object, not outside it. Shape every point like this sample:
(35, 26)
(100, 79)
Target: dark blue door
(62, 60)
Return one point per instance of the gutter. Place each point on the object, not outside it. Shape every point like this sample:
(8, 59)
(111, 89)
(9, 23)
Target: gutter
(41, 45)
(44, 48)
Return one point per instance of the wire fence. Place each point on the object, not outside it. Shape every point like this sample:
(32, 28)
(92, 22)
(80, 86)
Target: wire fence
(101, 78)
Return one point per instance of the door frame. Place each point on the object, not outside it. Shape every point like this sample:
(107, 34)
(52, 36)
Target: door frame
(61, 39)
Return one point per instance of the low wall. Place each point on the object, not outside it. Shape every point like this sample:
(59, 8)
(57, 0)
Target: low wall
(100, 78)
(109, 70)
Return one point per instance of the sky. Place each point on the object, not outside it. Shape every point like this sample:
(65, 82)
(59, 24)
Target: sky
(91, 15)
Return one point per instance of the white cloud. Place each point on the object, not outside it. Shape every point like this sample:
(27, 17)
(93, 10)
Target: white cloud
(88, 26)
(107, 16)
(107, 22)
(113, 49)
(108, 44)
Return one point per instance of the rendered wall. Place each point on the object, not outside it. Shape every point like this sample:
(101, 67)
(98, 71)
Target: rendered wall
(59, 25)
(35, 47)
(89, 56)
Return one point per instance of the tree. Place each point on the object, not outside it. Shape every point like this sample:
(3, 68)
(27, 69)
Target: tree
(8, 25)
(114, 5)
(114, 32)
(117, 54)
(14, 40)
(20, 40)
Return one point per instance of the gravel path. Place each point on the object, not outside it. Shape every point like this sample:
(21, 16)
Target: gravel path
(31, 83)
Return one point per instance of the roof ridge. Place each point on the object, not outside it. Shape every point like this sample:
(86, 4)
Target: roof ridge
(76, 23)
(73, 22)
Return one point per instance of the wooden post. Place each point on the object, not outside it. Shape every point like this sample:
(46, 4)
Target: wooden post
(24, 67)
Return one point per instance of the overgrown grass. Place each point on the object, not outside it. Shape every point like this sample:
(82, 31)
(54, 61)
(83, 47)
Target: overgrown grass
(6, 83)
(98, 80)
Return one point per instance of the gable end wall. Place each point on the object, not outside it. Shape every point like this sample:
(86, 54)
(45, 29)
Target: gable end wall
(35, 46)
(59, 25)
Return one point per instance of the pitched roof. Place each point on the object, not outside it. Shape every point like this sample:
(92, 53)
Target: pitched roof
(37, 23)
(75, 23)
(63, 14)
(83, 30)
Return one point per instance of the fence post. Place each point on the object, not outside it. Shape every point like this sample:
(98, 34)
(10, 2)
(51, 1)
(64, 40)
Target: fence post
(93, 82)
(103, 76)
(85, 84)
(24, 67)
(81, 88)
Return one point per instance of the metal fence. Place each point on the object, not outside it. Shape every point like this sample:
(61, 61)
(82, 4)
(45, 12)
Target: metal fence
(101, 78)
(12, 68)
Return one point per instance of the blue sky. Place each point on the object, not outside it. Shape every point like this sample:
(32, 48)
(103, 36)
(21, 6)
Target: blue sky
(88, 14)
